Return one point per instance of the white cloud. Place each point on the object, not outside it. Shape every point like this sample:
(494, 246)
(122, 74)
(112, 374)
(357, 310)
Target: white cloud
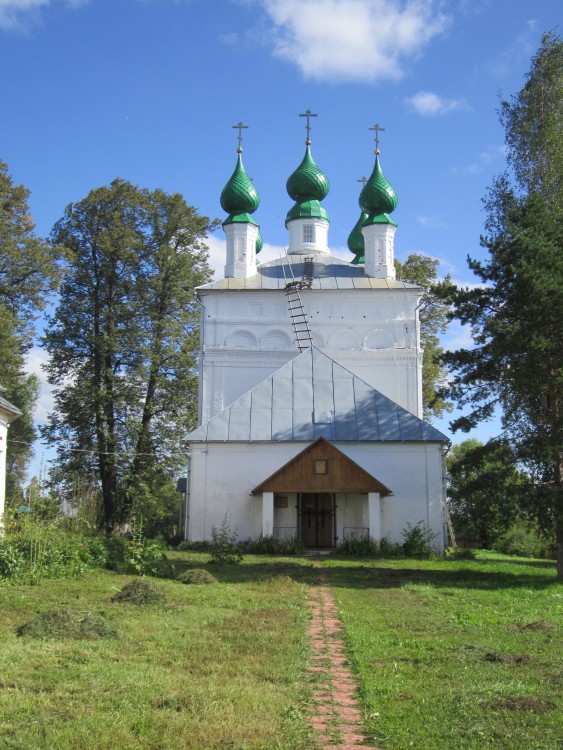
(218, 253)
(432, 222)
(458, 336)
(428, 104)
(20, 15)
(35, 359)
(352, 40)
(482, 160)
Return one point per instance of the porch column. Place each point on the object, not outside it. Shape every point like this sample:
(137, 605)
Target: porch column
(267, 514)
(373, 515)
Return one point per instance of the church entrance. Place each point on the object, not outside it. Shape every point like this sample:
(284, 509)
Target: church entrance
(317, 512)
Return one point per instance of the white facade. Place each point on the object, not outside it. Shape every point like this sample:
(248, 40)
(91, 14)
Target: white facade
(230, 471)
(248, 335)
(8, 413)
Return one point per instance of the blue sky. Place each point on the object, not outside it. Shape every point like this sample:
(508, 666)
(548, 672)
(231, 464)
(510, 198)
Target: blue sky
(148, 90)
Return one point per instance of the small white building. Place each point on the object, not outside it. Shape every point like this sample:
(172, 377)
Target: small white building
(310, 403)
(8, 412)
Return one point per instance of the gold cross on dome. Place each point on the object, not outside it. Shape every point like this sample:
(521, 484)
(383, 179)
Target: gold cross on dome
(378, 129)
(308, 114)
(240, 126)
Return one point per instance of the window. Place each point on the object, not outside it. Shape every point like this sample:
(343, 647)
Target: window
(321, 466)
(240, 248)
(308, 233)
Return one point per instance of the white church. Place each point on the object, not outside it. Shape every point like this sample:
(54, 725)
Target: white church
(310, 401)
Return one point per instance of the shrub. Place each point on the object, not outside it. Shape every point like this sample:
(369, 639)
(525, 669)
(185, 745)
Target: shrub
(269, 545)
(359, 548)
(139, 591)
(418, 541)
(186, 545)
(224, 548)
(147, 558)
(390, 549)
(116, 548)
(34, 550)
(196, 576)
(522, 541)
(459, 553)
(64, 623)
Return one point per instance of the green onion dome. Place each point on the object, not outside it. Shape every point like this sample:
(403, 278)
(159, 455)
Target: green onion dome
(239, 195)
(377, 196)
(356, 241)
(307, 210)
(307, 183)
(259, 243)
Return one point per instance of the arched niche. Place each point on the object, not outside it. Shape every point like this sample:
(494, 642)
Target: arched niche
(345, 339)
(275, 340)
(241, 340)
(379, 339)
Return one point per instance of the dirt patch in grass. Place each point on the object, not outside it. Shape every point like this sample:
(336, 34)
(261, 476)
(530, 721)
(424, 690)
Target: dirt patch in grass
(139, 591)
(542, 625)
(546, 625)
(493, 656)
(522, 703)
(64, 623)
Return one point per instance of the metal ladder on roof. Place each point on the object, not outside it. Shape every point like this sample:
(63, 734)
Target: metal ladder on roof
(293, 286)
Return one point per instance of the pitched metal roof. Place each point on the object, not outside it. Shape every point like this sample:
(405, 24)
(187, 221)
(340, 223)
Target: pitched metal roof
(313, 396)
(329, 273)
(10, 408)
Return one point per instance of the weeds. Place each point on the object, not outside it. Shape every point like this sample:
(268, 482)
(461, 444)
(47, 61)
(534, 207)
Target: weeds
(224, 548)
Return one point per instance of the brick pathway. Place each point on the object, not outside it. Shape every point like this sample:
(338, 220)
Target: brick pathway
(336, 716)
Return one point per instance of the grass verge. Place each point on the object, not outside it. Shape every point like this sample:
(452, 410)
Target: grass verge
(215, 667)
(456, 655)
(450, 655)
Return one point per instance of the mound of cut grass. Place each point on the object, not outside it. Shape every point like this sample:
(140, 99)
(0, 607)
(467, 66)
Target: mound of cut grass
(139, 591)
(68, 624)
(196, 576)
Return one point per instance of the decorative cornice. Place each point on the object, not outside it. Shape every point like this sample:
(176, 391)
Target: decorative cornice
(237, 357)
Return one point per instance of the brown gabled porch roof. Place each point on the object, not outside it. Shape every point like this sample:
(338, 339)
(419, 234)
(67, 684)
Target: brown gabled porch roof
(342, 474)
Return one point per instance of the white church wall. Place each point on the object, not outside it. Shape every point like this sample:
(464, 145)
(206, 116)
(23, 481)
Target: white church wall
(3, 447)
(246, 336)
(223, 475)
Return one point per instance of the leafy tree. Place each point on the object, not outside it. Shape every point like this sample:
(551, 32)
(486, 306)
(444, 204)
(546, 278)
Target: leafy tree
(485, 489)
(29, 274)
(515, 316)
(533, 123)
(433, 315)
(124, 339)
(22, 434)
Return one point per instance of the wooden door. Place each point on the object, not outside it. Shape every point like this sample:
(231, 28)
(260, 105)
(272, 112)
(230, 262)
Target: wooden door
(317, 519)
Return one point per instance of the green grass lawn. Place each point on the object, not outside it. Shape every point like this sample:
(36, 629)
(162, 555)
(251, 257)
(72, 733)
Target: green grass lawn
(456, 654)
(444, 652)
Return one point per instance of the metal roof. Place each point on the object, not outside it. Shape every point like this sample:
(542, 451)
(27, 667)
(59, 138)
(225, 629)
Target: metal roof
(329, 273)
(313, 396)
(10, 408)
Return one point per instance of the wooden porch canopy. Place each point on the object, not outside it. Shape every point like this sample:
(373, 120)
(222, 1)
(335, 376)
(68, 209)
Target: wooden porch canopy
(321, 467)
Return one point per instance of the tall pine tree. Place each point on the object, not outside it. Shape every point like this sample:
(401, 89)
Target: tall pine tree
(515, 317)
